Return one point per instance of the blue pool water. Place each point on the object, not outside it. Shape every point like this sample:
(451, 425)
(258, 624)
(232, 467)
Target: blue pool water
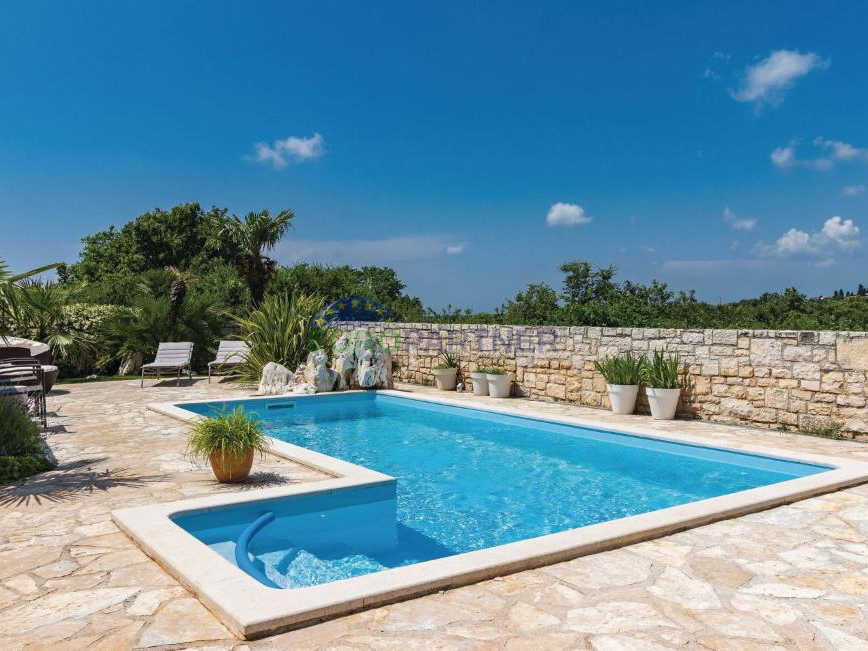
(466, 479)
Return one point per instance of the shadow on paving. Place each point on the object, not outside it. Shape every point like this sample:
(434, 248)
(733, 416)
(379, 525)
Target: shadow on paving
(69, 481)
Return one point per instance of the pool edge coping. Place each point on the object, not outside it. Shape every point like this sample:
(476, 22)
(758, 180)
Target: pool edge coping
(253, 610)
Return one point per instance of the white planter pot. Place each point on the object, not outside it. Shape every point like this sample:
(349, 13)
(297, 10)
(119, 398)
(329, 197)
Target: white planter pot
(622, 397)
(480, 384)
(444, 378)
(498, 385)
(663, 402)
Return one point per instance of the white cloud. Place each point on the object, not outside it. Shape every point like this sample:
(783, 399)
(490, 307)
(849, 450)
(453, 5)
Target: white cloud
(831, 152)
(853, 190)
(648, 249)
(362, 252)
(567, 214)
(736, 222)
(836, 235)
(454, 249)
(766, 82)
(289, 150)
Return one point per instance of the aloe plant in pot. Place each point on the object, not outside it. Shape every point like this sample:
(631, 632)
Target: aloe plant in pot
(662, 376)
(623, 374)
(446, 372)
(228, 440)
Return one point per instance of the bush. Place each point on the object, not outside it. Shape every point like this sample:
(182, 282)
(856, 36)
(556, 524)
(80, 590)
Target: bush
(21, 452)
(18, 433)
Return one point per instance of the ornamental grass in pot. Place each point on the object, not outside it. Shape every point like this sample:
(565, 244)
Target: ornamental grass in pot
(623, 374)
(662, 376)
(228, 441)
(446, 373)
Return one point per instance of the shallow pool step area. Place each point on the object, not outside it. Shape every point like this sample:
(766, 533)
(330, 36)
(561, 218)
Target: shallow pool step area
(306, 541)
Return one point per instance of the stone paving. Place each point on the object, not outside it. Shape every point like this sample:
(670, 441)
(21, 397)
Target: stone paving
(794, 577)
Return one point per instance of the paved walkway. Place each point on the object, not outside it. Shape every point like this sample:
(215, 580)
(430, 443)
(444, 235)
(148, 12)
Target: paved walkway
(794, 577)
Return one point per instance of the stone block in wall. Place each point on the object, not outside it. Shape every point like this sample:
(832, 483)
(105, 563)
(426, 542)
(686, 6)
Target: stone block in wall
(852, 353)
(806, 371)
(765, 352)
(799, 354)
(727, 337)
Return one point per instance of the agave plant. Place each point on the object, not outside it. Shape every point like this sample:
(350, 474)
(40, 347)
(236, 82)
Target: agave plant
(625, 369)
(280, 330)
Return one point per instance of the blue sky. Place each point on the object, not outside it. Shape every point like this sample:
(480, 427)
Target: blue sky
(472, 146)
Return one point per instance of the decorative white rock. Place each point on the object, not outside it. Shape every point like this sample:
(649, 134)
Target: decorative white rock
(317, 372)
(276, 380)
(362, 362)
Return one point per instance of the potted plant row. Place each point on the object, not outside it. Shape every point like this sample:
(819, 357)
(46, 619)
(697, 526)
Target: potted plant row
(661, 374)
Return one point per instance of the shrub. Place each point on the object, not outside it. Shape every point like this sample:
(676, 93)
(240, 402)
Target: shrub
(622, 369)
(18, 433)
(21, 452)
(280, 330)
(233, 433)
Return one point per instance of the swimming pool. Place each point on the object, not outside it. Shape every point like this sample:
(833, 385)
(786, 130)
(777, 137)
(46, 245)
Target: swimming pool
(467, 479)
(429, 492)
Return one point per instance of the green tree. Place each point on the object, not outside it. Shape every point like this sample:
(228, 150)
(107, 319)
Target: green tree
(251, 238)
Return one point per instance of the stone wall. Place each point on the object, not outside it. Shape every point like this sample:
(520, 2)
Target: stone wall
(788, 379)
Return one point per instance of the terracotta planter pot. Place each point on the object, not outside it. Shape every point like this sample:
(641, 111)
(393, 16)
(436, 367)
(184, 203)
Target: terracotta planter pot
(234, 468)
(444, 378)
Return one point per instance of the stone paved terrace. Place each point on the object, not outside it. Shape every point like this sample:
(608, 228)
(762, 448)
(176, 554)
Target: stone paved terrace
(794, 577)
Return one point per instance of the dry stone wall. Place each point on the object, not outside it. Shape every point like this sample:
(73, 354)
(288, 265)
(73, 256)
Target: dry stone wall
(770, 378)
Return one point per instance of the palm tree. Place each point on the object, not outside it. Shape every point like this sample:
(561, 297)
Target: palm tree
(256, 234)
(12, 297)
(177, 292)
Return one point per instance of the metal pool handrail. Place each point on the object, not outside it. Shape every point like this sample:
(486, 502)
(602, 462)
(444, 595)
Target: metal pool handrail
(242, 559)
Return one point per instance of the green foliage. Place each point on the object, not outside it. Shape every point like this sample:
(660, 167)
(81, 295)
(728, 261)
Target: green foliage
(228, 432)
(184, 237)
(12, 297)
(450, 360)
(492, 370)
(251, 237)
(663, 371)
(137, 330)
(280, 331)
(21, 452)
(627, 368)
(831, 431)
(18, 433)
(379, 283)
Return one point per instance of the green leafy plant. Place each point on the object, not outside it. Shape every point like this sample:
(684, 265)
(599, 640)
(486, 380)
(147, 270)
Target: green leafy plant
(231, 433)
(628, 368)
(450, 360)
(280, 330)
(21, 452)
(493, 370)
(12, 297)
(663, 371)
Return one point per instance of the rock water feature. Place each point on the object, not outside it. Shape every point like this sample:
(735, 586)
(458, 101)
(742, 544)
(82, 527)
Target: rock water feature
(359, 362)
